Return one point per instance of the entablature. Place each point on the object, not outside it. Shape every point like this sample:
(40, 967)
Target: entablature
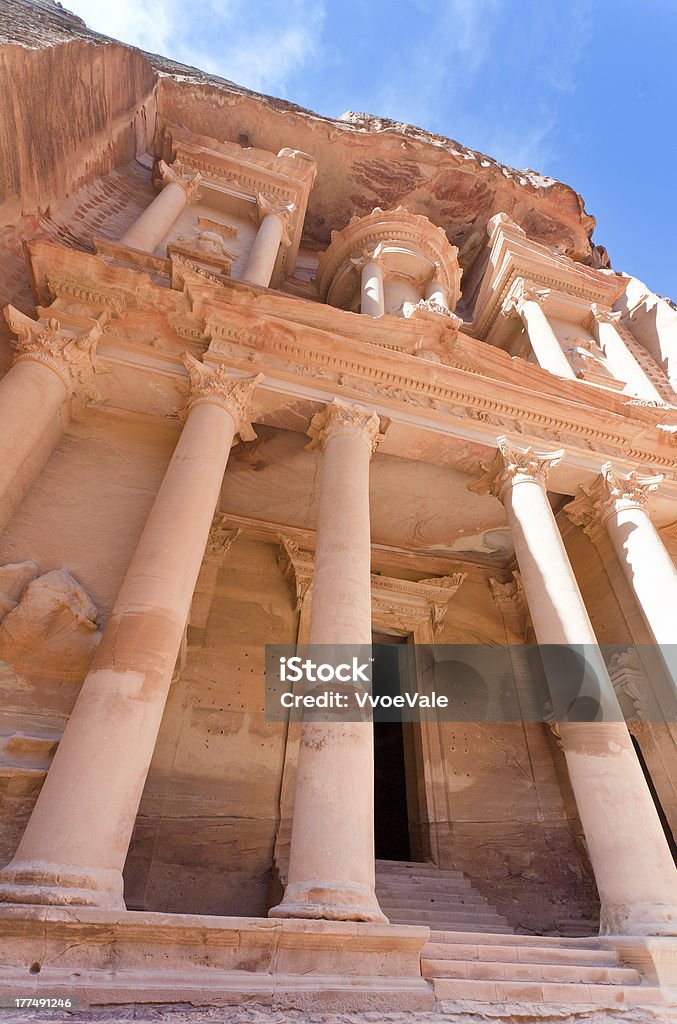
(462, 401)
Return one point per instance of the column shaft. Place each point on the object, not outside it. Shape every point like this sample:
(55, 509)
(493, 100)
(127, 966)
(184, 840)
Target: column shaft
(435, 292)
(544, 341)
(635, 874)
(622, 362)
(156, 221)
(331, 868)
(263, 253)
(373, 294)
(75, 844)
(31, 396)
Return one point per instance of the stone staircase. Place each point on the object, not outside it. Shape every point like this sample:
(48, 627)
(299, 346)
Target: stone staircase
(473, 954)
(419, 893)
(532, 969)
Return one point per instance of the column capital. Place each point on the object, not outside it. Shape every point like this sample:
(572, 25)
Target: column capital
(601, 315)
(514, 464)
(509, 596)
(72, 357)
(611, 492)
(281, 208)
(619, 491)
(340, 418)
(520, 292)
(174, 174)
(372, 254)
(215, 385)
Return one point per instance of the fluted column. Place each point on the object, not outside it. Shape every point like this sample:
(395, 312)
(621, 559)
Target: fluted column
(635, 873)
(272, 230)
(372, 286)
(527, 301)
(178, 190)
(620, 360)
(331, 866)
(618, 502)
(51, 365)
(74, 846)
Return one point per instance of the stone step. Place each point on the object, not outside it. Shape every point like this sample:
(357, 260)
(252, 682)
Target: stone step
(422, 869)
(497, 951)
(457, 924)
(471, 902)
(546, 992)
(480, 938)
(424, 885)
(487, 970)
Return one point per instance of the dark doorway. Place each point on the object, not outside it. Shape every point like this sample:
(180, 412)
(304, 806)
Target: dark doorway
(659, 807)
(391, 818)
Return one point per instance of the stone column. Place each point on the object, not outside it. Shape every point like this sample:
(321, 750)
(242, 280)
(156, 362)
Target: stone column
(619, 503)
(75, 844)
(620, 360)
(526, 301)
(178, 190)
(272, 230)
(51, 365)
(635, 873)
(372, 287)
(436, 292)
(331, 867)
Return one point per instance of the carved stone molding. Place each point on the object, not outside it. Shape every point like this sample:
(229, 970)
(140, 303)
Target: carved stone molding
(339, 418)
(220, 538)
(214, 385)
(399, 604)
(583, 511)
(511, 602)
(514, 464)
(72, 357)
(175, 174)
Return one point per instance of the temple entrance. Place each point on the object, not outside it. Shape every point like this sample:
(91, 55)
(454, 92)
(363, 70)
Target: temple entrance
(394, 770)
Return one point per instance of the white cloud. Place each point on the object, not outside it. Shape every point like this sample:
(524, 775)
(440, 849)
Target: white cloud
(258, 44)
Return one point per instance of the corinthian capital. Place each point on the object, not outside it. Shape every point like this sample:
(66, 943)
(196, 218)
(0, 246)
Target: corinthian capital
(523, 291)
(214, 385)
(70, 356)
(339, 418)
(601, 315)
(619, 492)
(281, 208)
(514, 464)
(174, 174)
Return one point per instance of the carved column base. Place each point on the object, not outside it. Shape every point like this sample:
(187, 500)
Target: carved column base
(330, 901)
(45, 884)
(638, 919)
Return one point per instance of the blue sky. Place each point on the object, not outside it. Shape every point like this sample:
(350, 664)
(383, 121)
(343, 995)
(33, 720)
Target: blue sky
(583, 90)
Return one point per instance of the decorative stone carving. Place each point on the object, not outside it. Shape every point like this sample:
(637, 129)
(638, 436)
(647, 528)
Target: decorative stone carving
(629, 681)
(221, 538)
(600, 315)
(428, 307)
(340, 418)
(297, 566)
(52, 632)
(523, 291)
(509, 595)
(175, 174)
(624, 492)
(214, 385)
(70, 356)
(278, 207)
(514, 464)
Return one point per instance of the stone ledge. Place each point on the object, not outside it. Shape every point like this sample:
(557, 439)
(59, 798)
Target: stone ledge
(105, 957)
